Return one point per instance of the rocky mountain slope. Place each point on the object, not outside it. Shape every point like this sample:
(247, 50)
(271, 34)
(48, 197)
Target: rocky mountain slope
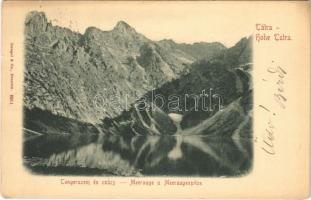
(227, 103)
(65, 70)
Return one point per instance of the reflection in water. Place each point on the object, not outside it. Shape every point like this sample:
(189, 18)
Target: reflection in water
(148, 142)
(194, 155)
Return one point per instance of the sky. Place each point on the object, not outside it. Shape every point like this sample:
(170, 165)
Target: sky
(186, 22)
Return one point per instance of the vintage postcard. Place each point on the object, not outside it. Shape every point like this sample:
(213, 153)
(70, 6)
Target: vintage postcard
(155, 99)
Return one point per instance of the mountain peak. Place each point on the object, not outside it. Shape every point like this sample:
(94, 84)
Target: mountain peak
(122, 24)
(36, 21)
(35, 15)
(123, 27)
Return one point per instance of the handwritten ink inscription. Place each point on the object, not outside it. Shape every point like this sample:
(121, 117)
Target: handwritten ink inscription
(276, 76)
(268, 135)
(279, 95)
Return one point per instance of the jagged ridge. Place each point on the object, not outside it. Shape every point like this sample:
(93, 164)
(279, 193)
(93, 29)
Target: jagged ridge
(65, 70)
